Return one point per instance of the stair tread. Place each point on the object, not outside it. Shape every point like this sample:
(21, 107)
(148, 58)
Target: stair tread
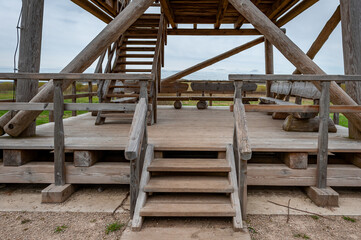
(189, 165)
(200, 184)
(195, 205)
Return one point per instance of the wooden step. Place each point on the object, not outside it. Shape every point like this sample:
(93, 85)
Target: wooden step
(135, 63)
(188, 205)
(137, 55)
(200, 184)
(121, 95)
(135, 70)
(189, 165)
(150, 16)
(139, 49)
(141, 42)
(141, 36)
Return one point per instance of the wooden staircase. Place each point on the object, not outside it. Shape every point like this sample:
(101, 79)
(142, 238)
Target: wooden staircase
(137, 52)
(188, 187)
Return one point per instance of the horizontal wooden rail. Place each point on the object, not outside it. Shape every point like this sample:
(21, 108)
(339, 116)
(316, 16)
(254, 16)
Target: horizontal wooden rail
(305, 77)
(300, 108)
(75, 76)
(69, 106)
(80, 95)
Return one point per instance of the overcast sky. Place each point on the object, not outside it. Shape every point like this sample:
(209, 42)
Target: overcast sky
(68, 29)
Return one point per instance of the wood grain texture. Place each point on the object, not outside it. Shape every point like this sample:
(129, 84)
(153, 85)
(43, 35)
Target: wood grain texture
(189, 165)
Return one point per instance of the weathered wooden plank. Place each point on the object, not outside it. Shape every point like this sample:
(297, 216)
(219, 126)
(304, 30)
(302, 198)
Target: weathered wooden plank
(86, 5)
(137, 220)
(299, 108)
(285, 77)
(18, 157)
(293, 124)
(86, 158)
(56, 194)
(214, 87)
(295, 160)
(189, 165)
(323, 197)
(213, 32)
(236, 203)
(269, 68)
(243, 144)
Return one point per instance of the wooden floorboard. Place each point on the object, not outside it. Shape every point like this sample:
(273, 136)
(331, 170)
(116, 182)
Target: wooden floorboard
(184, 129)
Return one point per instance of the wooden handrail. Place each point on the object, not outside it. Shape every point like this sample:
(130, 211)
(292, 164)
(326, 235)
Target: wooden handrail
(137, 131)
(304, 77)
(241, 130)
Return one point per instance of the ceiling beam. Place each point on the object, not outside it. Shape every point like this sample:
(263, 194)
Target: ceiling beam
(277, 7)
(213, 32)
(168, 12)
(222, 8)
(294, 12)
(241, 20)
(89, 7)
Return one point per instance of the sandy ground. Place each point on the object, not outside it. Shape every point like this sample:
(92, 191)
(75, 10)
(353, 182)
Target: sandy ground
(89, 211)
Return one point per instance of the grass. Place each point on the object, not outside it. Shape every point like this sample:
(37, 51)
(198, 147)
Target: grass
(349, 219)
(315, 217)
(303, 236)
(60, 229)
(113, 227)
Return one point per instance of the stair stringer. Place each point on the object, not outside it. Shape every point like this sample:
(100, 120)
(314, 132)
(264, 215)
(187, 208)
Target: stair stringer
(137, 220)
(237, 220)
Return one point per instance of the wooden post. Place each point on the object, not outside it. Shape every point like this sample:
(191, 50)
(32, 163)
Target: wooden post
(90, 90)
(29, 54)
(293, 53)
(73, 98)
(59, 155)
(351, 37)
(82, 61)
(322, 155)
(269, 64)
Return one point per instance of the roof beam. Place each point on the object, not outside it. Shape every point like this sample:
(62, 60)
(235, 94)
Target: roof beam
(168, 12)
(213, 32)
(294, 12)
(222, 8)
(276, 8)
(97, 12)
(240, 20)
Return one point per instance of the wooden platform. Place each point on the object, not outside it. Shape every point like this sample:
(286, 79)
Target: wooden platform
(184, 129)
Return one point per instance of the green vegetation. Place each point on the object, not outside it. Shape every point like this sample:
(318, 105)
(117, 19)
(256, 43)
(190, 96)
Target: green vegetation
(252, 230)
(60, 229)
(113, 227)
(304, 236)
(315, 217)
(25, 221)
(349, 219)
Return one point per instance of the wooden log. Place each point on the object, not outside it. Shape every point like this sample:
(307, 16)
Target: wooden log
(18, 157)
(295, 160)
(59, 142)
(280, 115)
(29, 53)
(351, 38)
(213, 32)
(83, 60)
(211, 61)
(86, 158)
(323, 197)
(324, 35)
(57, 194)
(294, 12)
(177, 104)
(220, 87)
(91, 8)
(293, 124)
(268, 65)
(293, 53)
(322, 154)
(202, 105)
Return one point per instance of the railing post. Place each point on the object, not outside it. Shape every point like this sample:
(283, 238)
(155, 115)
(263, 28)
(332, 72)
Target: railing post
(238, 90)
(59, 155)
(73, 99)
(90, 90)
(322, 155)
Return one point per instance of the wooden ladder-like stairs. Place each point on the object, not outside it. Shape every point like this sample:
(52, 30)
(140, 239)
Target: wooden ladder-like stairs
(134, 55)
(188, 187)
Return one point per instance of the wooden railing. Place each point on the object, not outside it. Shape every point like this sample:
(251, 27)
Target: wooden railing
(323, 109)
(58, 106)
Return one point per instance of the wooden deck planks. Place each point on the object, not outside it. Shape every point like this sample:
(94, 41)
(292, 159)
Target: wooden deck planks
(189, 165)
(185, 129)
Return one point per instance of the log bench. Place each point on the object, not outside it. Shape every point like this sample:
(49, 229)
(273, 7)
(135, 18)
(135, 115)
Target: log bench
(300, 121)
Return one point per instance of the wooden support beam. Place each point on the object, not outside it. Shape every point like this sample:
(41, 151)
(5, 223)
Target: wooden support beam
(293, 53)
(295, 160)
(89, 7)
(269, 65)
(18, 157)
(83, 60)
(294, 12)
(168, 12)
(323, 197)
(214, 32)
(59, 141)
(243, 144)
(86, 158)
(322, 154)
(57, 194)
(222, 8)
(351, 38)
(211, 61)
(29, 53)
(323, 36)
(277, 7)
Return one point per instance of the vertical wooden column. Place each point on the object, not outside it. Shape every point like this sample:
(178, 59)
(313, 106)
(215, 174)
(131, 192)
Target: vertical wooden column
(29, 53)
(73, 98)
(351, 37)
(268, 47)
(322, 155)
(90, 90)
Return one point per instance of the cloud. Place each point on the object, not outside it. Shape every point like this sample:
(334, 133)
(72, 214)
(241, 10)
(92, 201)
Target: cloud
(68, 29)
